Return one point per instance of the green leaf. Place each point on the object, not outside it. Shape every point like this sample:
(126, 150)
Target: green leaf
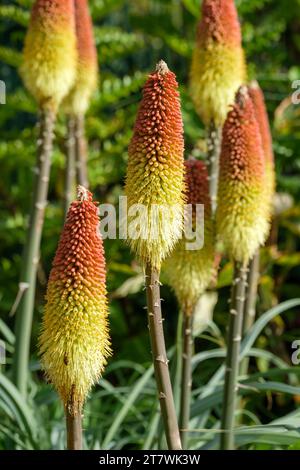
(192, 6)
(114, 89)
(101, 8)
(179, 45)
(261, 323)
(6, 332)
(267, 434)
(126, 408)
(113, 42)
(246, 388)
(10, 56)
(21, 412)
(14, 13)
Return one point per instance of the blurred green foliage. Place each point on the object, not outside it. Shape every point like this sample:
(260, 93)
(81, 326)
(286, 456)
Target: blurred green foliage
(131, 37)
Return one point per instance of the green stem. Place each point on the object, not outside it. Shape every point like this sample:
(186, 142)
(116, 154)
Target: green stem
(213, 156)
(81, 152)
(177, 364)
(251, 294)
(232, 357)
(31, 251)
(70, 164)
(160, 359)
(249, 312)
(175, 372)
(186, 377)
(74, 430)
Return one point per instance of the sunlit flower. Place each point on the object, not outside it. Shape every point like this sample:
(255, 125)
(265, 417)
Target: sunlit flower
(218, 64)
(189, 272)
(257, 97)
(85, 84)
(242, 214)
(49, 61)
(155, 173)
(74, 342)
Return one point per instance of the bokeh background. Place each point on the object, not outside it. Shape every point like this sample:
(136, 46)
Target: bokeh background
(131, 37)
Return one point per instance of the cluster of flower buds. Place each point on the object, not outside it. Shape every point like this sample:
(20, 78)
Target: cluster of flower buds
(218, 64)
(155, 173)
(189, 272)
(78, 100)
(50, 55)
(74, 342)
(257, 96)
(242, 213)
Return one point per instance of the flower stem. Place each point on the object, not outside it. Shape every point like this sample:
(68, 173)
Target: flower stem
(232, 357)
(70, 164)
(31, 251)
(186, 377)
(249, 312)
(177, 364)
(81, 152)
(74, 430)
(213, 156)
(251, 294)
(160, 360)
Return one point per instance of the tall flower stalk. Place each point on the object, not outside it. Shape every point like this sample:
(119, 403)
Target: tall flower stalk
(242, 220)
(154, 190)
(81, 151)
(48, 71)
(218, 69)
(251, 297)
(74, 343)
(189, 270)
(77, 102)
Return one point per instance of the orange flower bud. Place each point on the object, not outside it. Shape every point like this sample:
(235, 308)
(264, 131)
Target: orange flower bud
(189, 272)
(218, 64)
(85, 84)
(49, 62)
(242, 215)
(155, 172)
